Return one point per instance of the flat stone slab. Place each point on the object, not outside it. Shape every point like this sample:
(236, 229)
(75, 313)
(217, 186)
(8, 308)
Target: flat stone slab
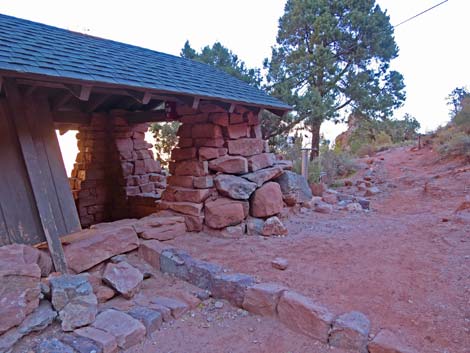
(178, 308)
(263, 298)
(301, 314)
(350, 331)
(231, 287)
(124, 278)
(104, 340)
(151, 319)
(126, 330)
(387, 342)
(100, 245)
(73, 298)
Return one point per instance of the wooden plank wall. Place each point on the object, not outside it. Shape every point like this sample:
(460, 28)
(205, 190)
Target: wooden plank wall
(36, 203)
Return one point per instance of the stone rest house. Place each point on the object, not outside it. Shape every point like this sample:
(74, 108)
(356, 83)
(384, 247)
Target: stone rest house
(52, 78)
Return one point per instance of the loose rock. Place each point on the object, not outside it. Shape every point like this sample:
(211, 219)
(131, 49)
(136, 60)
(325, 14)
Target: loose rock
(73, 298)
(350, 331)
(273, 226)
(234, 187)
(124, 278)
(280, 263)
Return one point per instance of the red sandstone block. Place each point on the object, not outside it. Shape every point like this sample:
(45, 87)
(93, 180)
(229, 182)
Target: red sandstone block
(207, 153)
(142, 145)
(190, 167)
(132, 190)
(223, 212)
(203, 182)
(185, 110)
(144, 154)
(209, 142)
(187, 208)
(220, 119)
(104, 340)
(210, 108)
(252, 118)
(237, 131)
(301, 314)
(184, 131)
(127, 169)
(152, 166)
(179, 194)
(194, 119)
(142, 127)
(185, 142)
(245, 146)
(137, 135)
(206, 131)
(150, 251)
(139, 167)
(194, 223)
(262, 298)
(180, 154)
(260, 161)
(147, 188)
(185, 181)
(144, 179)
(124, 144)
(236, 119)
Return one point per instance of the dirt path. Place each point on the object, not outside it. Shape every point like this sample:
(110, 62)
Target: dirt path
(405, 264)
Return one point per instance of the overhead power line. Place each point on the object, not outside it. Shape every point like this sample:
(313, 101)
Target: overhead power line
(421, 13)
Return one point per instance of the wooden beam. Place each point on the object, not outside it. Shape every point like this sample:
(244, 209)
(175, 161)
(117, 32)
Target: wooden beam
(1, 84)
(85, 92)
(146, 98)
(95, 102)
(61, 99)
(142, 117)
(70, 117)
(196, 103)
(37, 181)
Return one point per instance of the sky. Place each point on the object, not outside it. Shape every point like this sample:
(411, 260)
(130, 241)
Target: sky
(433, 57)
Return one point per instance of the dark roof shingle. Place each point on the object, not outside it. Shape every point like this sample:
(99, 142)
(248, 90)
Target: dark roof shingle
(35, 48)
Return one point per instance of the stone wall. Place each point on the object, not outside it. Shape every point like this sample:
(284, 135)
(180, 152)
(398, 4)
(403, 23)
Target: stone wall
(220, 171)
(115, 174)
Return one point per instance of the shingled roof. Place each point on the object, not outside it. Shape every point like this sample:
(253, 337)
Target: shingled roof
(33, 48)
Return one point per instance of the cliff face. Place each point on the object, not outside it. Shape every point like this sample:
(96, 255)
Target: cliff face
(342, 141)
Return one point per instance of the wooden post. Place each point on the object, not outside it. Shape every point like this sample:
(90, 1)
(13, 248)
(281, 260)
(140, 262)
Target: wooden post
(305, 162)
(38, 184)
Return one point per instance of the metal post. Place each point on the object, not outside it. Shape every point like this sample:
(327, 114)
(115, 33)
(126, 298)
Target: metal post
(305, 152)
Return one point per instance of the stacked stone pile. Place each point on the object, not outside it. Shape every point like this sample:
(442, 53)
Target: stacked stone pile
(115, 174)
(222, 172)
(116, 297)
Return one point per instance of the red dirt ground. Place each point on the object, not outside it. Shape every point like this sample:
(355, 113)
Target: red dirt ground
(405, 264)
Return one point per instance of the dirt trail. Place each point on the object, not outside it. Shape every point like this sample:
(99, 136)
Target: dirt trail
(405, 264)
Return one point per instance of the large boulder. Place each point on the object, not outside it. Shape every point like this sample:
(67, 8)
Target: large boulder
(99, 245)
(267, 200)
(293, 183)
(234, 187)
(73, 298)
(19, 284)
(223, 212)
